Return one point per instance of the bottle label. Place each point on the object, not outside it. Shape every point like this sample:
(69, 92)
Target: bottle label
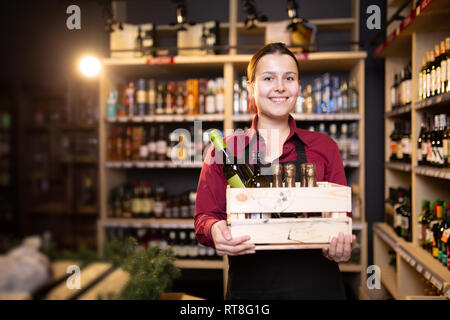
(136, 206)
(143, 152)
(159, 209)
(440, 155)
(151, 97)
(437, 85)
(235, 182)
(428, 84)
(141, 96)
(220, 102)
(419, 154)
(445, 148)
(433, 81)
(161, 147)
(407, 91)
(210, 104)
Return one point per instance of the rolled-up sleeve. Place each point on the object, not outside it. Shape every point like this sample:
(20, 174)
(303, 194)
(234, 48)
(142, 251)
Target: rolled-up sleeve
(210, 205)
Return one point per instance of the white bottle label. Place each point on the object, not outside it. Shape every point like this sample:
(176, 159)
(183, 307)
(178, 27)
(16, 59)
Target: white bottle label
(210, 104)
(220, 102)
(161, 147)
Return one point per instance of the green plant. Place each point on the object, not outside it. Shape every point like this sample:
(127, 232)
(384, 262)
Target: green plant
(152, 270)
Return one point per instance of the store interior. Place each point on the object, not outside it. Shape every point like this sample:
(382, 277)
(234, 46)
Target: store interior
(100, 157)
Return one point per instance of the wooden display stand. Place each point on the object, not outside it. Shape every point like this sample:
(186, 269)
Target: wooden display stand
(290, 233)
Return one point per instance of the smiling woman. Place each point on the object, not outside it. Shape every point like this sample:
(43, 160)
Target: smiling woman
(273, 86)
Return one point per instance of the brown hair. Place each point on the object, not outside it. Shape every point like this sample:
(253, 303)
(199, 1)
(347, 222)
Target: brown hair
(271, 48)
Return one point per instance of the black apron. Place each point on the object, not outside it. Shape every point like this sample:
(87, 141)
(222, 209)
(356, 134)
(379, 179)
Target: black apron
(284, 274)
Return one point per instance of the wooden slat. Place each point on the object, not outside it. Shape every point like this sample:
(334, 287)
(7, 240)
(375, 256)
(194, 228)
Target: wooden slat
(88, 275)
(316, 232)
(268, 200)
(112, 284)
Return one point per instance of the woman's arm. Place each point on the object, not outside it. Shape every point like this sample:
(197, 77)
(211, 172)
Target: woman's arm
(210, 212)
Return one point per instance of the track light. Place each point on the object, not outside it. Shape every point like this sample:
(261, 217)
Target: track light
(252, 14)
(293, 15)
(181, 16)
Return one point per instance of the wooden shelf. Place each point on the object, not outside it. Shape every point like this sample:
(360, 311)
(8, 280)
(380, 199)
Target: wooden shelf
(385, 232)
(425, 264)
(145, 223)
(433, 172)
(439, 100)
(151, 164)
(189, 65)
(431, 15)
(199, 264)
(405, 167)
(401, 111)
(167, 118)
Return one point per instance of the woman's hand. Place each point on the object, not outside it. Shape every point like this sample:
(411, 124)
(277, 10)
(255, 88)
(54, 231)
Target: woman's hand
(340, 248)
(225, 245)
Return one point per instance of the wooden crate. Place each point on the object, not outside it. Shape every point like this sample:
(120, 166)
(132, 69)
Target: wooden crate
(332, 200)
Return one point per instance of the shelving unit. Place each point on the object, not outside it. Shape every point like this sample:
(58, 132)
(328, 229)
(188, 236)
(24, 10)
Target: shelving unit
(419, 31)
(58, 149)
(117, 71)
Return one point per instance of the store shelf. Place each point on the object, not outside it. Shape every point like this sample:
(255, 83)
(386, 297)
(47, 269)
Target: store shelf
(433, 172)
(307, 117)
(425, 264)
(199, 264)
(438, 100)
(405, 167)
(166, 118)
(401, 111)
(185, 65)
(430, 15)
(389, 281)
(145, 223)
(385, 232)
(151, 164)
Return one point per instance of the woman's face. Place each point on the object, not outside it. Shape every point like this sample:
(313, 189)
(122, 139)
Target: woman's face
(276, 85)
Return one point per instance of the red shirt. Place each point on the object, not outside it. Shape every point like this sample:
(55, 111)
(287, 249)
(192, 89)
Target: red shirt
(210, 205)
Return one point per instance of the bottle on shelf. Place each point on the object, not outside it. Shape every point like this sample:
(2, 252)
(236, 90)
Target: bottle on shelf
(236, 97)
(244, 96)
(211, 98)
(141, 97)
(151, 144)
(202, 92)
(353, 141)
(394, 93)
(180, 101)
(136, 201)
(421, 146)
(169, 100)
(446, 143)
(421, 76)
(151, 97)
(127, 202)
(220, 95)
(237, 174)
(353, 97)
(161, 145)
(111, 104)
(128, 141)
(160, 201)
(406, 143)
(317, 96)
(423, 223)
(344, 145)
(428, 66)
(308, 102)
(326, 94)
(445, 65)
(159, 99)
(148, 201)
(138, 44)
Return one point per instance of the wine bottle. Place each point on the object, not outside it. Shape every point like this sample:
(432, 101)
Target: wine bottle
(236, 174)
(258, 181)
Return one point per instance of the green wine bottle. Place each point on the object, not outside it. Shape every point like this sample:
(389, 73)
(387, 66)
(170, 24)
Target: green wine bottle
(237, 174)
(258, 180)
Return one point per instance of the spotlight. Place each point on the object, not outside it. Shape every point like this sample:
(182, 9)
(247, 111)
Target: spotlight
(90, 66)
(252, 15)
(181, 16)
(293, 15)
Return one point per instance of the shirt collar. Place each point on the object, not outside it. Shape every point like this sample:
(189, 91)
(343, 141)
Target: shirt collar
(292, 130)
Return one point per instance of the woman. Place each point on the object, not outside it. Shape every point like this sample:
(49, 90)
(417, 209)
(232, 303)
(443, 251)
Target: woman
(273, 85)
